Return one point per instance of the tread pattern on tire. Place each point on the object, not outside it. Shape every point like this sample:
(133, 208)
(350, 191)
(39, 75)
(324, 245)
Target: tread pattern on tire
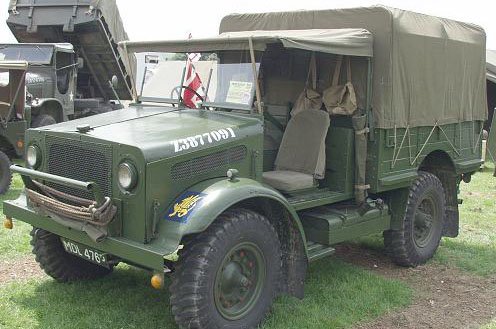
(189, 279)
(59, 264)
(396, 241)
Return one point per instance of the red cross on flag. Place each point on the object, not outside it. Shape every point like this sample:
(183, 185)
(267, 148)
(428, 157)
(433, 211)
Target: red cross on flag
(194, 93)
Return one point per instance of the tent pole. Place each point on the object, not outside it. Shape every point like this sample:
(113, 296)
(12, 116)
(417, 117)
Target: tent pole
(255, 76)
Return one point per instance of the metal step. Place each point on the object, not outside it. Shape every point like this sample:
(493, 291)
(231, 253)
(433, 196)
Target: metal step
(318, 251)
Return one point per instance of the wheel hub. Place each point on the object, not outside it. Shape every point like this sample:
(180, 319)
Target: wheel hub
(239, 281)
(425, 215)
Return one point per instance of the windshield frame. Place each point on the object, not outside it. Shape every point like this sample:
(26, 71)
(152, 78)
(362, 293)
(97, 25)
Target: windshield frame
(249, 108)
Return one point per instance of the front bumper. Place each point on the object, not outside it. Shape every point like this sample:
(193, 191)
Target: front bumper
(127, 250)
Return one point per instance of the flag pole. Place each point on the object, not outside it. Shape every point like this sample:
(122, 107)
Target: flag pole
(255, 76)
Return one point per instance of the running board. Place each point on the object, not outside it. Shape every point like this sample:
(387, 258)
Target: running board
(318, 251)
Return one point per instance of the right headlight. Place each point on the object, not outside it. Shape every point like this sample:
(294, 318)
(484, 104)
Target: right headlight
(33, 156)
(127, 176)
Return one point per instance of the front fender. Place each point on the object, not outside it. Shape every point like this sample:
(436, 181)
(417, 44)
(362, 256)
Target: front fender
(212, 198)
(40, 102)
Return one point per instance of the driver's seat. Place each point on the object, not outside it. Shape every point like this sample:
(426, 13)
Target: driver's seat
(300, 160)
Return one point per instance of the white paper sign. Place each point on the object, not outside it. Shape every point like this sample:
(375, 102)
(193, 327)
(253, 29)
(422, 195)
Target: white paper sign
(239, 92)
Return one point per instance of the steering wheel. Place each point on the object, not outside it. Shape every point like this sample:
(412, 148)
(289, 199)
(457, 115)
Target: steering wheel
(176, 91)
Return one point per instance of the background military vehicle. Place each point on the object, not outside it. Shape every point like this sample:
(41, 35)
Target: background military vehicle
(248, 188)
(71, 54)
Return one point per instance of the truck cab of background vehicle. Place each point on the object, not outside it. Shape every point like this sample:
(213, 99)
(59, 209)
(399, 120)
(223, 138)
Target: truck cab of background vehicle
(241, 162)
(37, 87)
(50, 78)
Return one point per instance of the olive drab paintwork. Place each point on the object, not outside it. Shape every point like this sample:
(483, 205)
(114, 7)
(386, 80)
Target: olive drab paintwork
(180, 159)
(217, 195)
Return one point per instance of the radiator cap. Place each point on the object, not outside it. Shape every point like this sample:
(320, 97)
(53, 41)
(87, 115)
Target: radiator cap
(83, 128)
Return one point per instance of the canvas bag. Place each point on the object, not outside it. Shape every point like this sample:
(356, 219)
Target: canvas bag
(309, 98)
(340, 99)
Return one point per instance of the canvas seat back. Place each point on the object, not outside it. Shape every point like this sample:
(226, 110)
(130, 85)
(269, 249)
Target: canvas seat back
(302, 142)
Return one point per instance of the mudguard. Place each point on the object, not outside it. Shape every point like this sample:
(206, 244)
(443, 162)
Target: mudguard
(197, 207)
(39, 102)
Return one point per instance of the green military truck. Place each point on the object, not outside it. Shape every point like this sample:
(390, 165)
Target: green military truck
(259, 179)
(59, 81)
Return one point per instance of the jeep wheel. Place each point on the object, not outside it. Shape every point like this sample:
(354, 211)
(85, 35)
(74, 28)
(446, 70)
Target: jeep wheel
(5, 174)
(43, 120)
(227, 276)
(419, 237)
(59, 264)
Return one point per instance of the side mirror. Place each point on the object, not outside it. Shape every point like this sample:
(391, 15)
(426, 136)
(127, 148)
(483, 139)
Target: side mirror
(80, 63)
(115, 82)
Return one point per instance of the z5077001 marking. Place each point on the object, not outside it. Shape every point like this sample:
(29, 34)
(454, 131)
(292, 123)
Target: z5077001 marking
(186, 143)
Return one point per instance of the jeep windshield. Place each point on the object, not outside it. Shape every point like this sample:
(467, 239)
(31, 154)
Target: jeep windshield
(34, 54)
(223, 80)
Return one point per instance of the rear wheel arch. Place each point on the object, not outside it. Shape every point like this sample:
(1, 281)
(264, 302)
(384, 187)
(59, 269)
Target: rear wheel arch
(436, 161)
(440, 164)
(443, 167)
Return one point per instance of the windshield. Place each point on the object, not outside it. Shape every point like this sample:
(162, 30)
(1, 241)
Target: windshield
(32, 53)
(218, 80)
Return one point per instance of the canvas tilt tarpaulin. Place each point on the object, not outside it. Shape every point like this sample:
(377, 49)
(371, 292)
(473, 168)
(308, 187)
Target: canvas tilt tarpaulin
(427, 69)
(354, 42)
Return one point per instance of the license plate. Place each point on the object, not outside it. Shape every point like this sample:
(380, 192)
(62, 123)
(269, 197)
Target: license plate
(87, 253)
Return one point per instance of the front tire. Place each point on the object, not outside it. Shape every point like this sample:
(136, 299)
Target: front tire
(59, 264)
(228, 275)
(418, 238)
(5, 174)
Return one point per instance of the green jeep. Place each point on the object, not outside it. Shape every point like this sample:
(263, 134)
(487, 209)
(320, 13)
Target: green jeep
(229, 174)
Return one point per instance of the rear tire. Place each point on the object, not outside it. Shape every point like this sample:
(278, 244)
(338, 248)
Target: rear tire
(59, 264)
(418, 238)
(5, 174)
(43, 120)
(228, 275)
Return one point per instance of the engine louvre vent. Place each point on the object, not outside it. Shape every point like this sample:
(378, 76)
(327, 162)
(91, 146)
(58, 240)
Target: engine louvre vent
(207, 163)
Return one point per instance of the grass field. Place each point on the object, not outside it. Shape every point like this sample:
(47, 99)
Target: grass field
(338, 294)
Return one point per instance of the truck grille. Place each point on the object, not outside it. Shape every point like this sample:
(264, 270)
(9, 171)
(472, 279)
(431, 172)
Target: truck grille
(84, 161)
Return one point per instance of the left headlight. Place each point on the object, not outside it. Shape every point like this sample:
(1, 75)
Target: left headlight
(127, 176)
(33, 156)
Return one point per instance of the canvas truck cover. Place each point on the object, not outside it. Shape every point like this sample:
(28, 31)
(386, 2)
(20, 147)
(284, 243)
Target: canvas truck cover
(94, 27)
(427, 70)
(353, 42)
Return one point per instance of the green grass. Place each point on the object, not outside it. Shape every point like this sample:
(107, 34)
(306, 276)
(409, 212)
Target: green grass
(337, 295)
(491, 325)
(13, 243)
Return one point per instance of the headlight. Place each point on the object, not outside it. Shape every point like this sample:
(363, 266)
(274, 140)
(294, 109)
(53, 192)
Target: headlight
(127, 176)
(33, 156)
